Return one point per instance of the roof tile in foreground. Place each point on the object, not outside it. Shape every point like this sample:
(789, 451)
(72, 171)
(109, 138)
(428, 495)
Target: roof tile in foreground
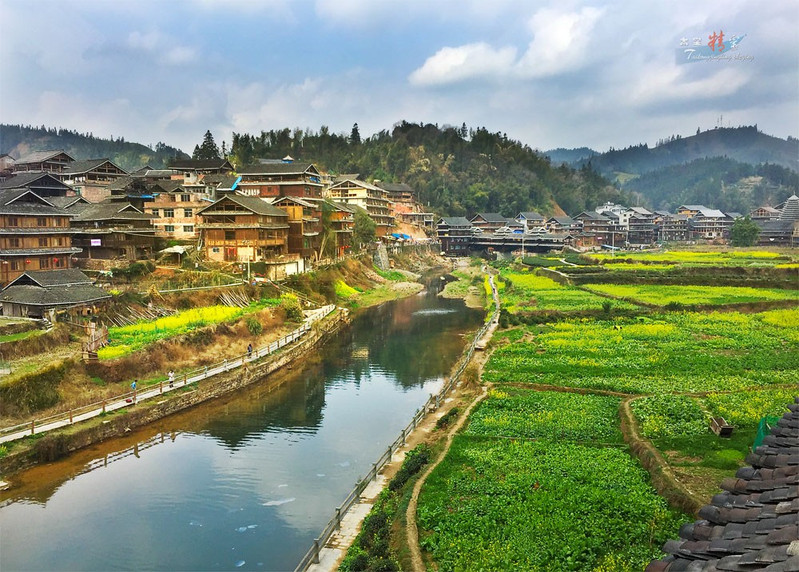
(754, 523)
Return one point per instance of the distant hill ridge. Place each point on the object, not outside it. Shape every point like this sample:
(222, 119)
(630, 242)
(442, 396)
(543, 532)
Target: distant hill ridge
(19, 141)
(743, 144)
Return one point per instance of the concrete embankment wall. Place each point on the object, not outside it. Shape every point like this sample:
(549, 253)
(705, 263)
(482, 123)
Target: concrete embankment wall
(59, 443)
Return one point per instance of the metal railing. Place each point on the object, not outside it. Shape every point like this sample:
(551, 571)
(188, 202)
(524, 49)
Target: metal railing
(157, 389)
(432, 404)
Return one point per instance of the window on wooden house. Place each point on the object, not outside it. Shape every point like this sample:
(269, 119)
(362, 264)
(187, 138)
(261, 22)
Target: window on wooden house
(188, 228)
(169, 213)
(188, 213)
(169, 227)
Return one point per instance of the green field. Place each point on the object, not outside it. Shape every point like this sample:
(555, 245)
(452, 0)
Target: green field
(543, 500)
(693, 257)
(662, 295)
(128, 339)
(526, 292)
(675, 352)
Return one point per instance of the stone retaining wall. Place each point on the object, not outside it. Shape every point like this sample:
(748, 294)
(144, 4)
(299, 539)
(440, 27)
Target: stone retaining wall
(62, 442)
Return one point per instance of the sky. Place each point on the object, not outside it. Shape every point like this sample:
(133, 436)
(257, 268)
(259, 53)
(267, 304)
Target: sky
(560, 73)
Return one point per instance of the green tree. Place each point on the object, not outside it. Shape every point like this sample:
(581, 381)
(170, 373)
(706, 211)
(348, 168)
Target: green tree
(355, 135)
(208, 148)
(744, 232)
(364, 231)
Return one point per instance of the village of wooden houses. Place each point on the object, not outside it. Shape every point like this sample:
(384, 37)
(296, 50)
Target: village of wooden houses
(64, 222)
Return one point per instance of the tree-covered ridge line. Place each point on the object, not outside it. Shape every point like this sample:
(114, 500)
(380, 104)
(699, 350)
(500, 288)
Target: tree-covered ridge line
(21, 140)
(455, 171)
(720, 182)
(744, 144)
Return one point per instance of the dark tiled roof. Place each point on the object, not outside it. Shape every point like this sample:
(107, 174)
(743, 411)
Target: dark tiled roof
(79, 167)
(49, 278)
(25, 202)
(111, 211)
(39, 156)
(200, 164)
(490, 217)
(67, 202)
(592, 215)
(531, 215)
(63, 296)
(165, 186)
(255, 204)
(396, 187)
(754, 523)
(455, 221)
(276, 168)
(20, 180)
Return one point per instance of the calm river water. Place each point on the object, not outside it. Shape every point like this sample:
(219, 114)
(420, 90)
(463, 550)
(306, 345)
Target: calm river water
(246, 482)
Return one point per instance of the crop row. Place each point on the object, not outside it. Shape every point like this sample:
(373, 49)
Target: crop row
(523, 413)
(527, 292)
(527, 505)
(126, 339)
(677, 352)
(661, 295)
(676, 416)
(735, 257)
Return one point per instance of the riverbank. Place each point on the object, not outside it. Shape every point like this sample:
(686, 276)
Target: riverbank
(434, 430)
(223, 342)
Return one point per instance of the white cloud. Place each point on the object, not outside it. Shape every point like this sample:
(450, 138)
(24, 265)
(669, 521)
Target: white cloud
(560, 41)
(670, 84)
(450, 65)
(160, 47)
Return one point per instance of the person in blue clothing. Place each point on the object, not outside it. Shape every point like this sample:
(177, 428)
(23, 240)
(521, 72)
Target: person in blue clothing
(133, 388)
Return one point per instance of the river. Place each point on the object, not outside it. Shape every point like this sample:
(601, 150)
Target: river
(248, 481)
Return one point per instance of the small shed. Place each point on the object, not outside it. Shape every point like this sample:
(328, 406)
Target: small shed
(39, 294)
(720, 427)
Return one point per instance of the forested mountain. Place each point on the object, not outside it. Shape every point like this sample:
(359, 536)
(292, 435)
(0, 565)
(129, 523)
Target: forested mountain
(455, 171)
(21, 140)
(719, 182)
(743, 144)
(568, 156)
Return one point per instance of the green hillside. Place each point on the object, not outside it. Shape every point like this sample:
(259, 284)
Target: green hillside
(19, 140)
(456, 171)
(743, 144)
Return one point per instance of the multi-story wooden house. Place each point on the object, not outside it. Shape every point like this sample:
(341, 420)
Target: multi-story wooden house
(34, 234)
(371, 198)
(488, 222)
(46, 161)
(705, 223)
(191, 171)
(305, 225)
(455, 234)
(280, 179)
(563, 225)
(671, 227)
(342, 223)
(45, 185)
(92, 178)
(531, 220)
(239, 228)
(112, 231)
(174, 208)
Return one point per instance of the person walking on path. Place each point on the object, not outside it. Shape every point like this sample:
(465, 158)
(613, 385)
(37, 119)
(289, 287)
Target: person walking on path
(249, 351)
(133, 387)
(171, 378)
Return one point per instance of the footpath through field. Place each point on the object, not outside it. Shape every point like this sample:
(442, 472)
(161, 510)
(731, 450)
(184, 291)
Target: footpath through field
(156, 391)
